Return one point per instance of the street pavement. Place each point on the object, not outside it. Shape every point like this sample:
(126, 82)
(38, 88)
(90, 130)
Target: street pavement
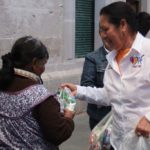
(80, 137)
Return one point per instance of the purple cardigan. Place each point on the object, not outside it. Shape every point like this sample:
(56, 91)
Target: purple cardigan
(20, 129)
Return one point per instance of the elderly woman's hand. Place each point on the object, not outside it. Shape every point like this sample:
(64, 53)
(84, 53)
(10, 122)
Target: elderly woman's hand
(71, 86)
(143, 128)
(69, 114)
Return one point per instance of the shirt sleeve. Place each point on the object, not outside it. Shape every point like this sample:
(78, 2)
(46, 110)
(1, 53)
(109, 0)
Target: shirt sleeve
(93, 95)
(55, 127)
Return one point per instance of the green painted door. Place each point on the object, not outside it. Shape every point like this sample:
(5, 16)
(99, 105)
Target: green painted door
(84, 27)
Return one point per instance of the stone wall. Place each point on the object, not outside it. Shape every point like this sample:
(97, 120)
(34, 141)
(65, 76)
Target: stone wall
(39, 18)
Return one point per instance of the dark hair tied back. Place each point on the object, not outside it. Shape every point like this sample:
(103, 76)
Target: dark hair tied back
(7, 61)
(7, 71)
(120, 10)
(23, 52)
(143, 20)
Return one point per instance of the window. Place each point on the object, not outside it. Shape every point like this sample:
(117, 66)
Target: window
(84, 27)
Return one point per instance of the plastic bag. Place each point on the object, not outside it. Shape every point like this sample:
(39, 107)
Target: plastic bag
(133, 142)
(66, 99)
(100, 135)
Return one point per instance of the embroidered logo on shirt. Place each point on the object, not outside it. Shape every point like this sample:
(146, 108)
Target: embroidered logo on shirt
(136, 60)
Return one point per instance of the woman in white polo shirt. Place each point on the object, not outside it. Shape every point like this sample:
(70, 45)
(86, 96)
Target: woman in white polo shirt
(127, 77)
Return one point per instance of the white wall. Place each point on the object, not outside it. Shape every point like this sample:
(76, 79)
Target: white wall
(148, 6)
(69, 30)
(39, 18)
(98, 5)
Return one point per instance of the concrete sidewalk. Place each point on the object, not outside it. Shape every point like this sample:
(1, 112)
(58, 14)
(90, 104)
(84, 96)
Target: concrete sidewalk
(80, 137)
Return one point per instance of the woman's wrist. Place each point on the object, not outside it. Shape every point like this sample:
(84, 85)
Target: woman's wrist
(69, 114)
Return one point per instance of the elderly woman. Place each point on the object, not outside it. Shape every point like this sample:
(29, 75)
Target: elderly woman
(30, 116)
(127, 77)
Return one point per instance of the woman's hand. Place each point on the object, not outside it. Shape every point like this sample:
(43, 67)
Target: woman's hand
(69, 114)
(143, 128)
(71, 86)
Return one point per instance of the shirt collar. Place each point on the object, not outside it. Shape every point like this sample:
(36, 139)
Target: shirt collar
(106, 49)
(137, 44)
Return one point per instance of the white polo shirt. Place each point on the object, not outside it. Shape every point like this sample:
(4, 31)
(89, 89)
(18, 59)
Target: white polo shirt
(126, 89)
